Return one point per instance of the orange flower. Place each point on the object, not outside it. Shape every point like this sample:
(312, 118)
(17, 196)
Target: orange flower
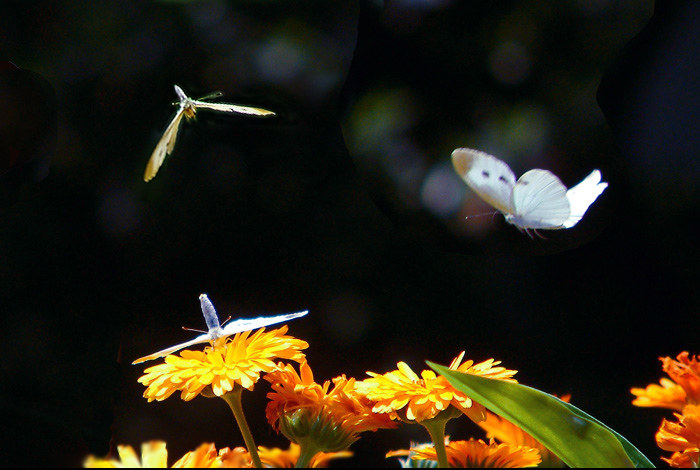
(687, 459)
(476, 453)
(506, 432)
(681, 393)
(683, 435)
(422, 398)
(238, 360)
(155, 455)
(301, 408)
(206, 457)
(410, 452)
(685, 371)
(278, 458)
(667, 395)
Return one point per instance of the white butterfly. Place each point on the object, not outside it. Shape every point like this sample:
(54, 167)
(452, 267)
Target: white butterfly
(216, 331)
(538, 200)
(188, 108)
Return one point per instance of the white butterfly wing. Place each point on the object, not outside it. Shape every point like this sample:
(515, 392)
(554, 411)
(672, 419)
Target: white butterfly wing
(199, 339)
(233, 108)
(582, 196)
(215, 331)
(165, 146)
(539, 201)
(247, 324)
(490, 178)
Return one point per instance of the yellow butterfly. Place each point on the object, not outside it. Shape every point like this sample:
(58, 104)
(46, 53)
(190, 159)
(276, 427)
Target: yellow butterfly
(188, 108)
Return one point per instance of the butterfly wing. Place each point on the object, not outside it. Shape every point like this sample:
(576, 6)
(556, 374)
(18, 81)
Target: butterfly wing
(487, 176)
(165, 146)
(539, 201)
(232, 108)
(582, 196)
(199, 339)
(247, 324)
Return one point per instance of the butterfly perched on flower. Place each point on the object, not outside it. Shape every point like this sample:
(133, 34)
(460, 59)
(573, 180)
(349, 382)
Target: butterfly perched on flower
(217, 331)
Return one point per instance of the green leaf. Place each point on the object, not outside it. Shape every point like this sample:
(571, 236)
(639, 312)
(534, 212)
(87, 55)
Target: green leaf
(574, 436)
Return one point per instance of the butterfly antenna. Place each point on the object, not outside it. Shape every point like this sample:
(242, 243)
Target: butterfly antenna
(211, 96)
(192, 329)
(481, 215)
(226, 321)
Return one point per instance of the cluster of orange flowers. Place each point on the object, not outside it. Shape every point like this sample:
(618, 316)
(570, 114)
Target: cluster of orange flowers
(680, 393)
(323, 420)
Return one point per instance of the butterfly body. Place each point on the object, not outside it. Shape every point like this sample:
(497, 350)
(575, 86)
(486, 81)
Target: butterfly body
(187, 108)
(216, 331)
(537, 200)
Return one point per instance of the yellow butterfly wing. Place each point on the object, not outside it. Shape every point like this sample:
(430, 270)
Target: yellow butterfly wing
(165, 146)
(233, 108)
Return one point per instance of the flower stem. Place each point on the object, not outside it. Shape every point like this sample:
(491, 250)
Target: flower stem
(436, 429)
(233, 398)
(307, 452)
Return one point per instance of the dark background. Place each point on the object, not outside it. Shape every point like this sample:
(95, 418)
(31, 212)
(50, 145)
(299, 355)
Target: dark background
(345, 204)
